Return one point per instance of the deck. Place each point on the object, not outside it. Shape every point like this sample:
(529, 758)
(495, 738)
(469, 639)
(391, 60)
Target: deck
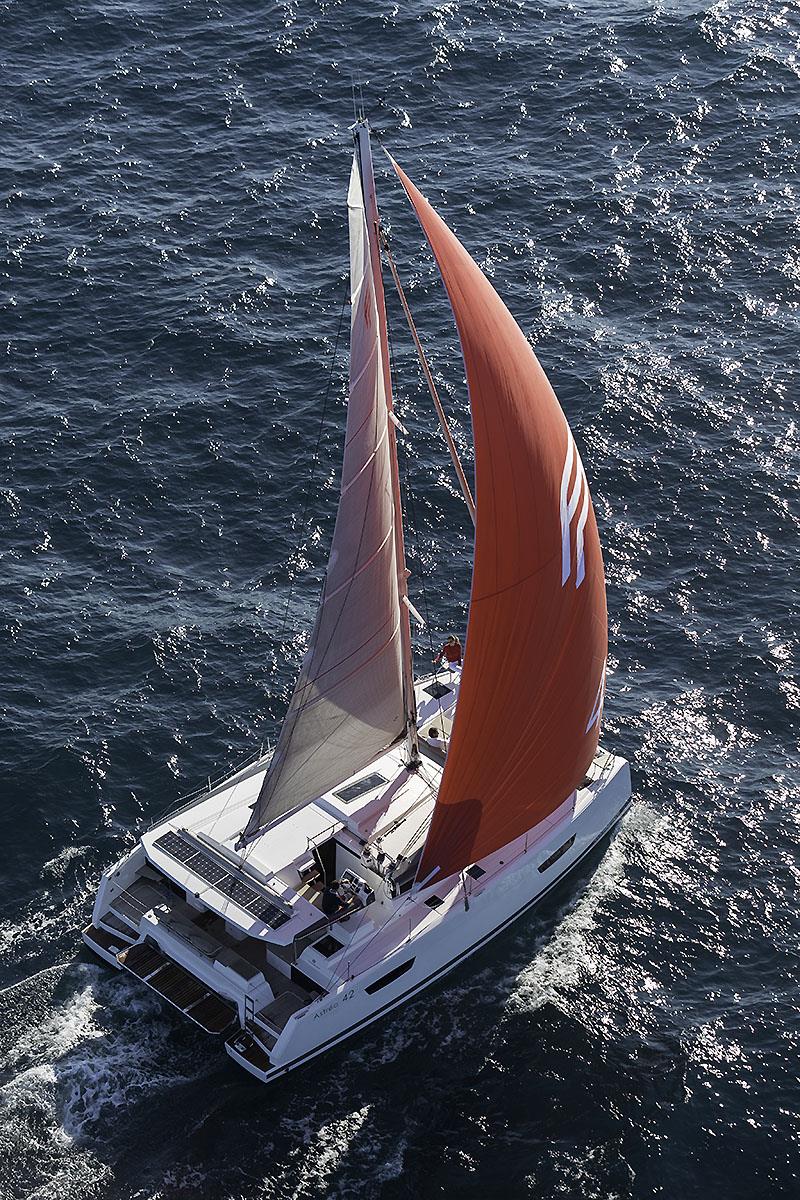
(180, 988)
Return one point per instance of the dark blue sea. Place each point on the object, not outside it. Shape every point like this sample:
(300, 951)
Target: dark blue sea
(173, 269)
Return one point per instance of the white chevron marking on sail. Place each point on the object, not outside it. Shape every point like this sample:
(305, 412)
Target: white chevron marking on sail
(568, 507)
(598, 703)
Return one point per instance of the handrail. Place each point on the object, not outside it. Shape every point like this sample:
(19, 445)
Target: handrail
(129, 898)
(308, 936)
(189, 799)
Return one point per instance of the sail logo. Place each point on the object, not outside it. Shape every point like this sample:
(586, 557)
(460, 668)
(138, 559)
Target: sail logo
(598, 702)
(570, 500)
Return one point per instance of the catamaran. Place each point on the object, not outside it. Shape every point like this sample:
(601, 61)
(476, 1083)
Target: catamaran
(401, 822)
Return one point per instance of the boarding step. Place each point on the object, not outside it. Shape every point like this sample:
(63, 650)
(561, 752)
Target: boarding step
(265, 1037)
(102, 940)
(178, 986)
(142, 959)
(213, 1013)
(249, 1049)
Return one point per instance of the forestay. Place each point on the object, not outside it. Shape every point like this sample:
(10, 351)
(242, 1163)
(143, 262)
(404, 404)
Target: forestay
(528, 715)
(348, 705)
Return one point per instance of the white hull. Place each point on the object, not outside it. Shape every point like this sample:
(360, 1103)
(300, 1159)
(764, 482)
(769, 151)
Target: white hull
(285, 994)
(350, 1009)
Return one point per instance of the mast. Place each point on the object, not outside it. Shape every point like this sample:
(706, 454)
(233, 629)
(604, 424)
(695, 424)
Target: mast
(364, 155)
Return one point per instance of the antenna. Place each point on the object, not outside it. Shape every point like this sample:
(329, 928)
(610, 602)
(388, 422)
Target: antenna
(358, 99)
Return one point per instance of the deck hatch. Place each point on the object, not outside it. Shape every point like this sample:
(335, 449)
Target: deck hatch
(202, 864)
(327, 946)
(437, 690)
(360, 788)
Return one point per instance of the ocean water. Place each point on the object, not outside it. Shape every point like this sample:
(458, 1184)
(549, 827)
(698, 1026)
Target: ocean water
(174, 258)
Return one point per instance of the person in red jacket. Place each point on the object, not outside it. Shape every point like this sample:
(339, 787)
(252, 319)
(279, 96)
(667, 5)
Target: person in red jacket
(450, 652)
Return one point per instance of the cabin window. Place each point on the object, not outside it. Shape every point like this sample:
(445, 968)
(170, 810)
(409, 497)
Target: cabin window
(556, 855)
(385, 980)
(437, 690)
(434, 901)
(359, 788)
(475, 871)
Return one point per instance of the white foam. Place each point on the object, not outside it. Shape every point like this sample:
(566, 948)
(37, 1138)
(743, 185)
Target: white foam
(317, 1151)
(107, 1045)
(585, 946)
(58, 866)
(39, 927)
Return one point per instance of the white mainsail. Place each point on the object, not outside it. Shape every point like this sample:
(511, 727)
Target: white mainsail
(348, 705)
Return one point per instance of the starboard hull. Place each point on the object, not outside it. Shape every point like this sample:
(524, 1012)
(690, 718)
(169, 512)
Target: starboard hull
(357, 1004)
(474, 910)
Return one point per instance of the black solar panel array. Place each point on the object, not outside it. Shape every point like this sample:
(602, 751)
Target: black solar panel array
(184, 852)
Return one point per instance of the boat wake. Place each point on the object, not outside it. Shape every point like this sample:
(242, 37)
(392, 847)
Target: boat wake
(79, 1047)
(577, 948)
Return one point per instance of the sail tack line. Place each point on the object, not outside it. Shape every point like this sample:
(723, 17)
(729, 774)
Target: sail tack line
(437, 404)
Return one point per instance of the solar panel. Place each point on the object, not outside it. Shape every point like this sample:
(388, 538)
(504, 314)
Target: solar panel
(267, 912)
(360, 787)
(174, 845)
(210, 870)
(237, 890)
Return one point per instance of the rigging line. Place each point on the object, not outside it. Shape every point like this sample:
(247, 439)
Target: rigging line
(409, 497)
(426, 371)
(407, 475)
(394, 913)
(451, 445)
(414, 526)
(315, 456)
(412, 511)
(426, 821)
